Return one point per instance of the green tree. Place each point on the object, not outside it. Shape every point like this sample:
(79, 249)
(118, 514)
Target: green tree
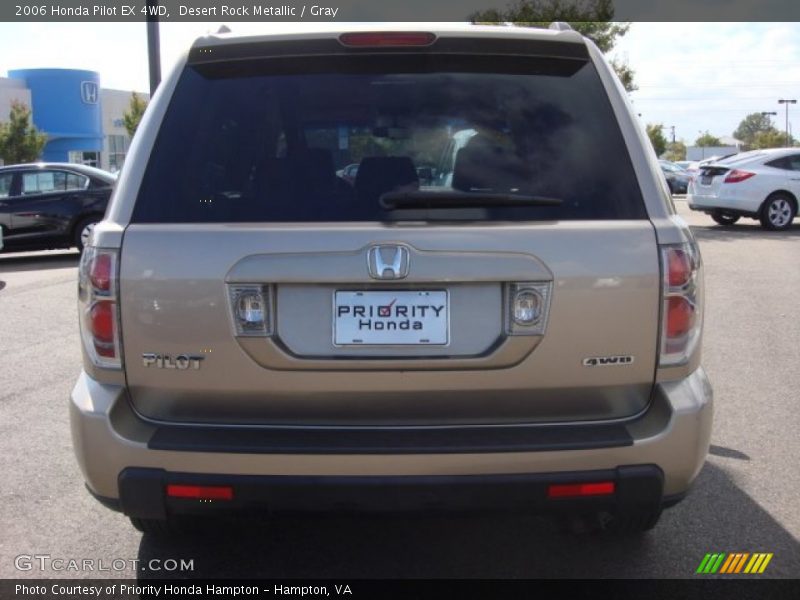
(592, 18)
(770, 138)
(706, 140)
(20, 141)
(675, 151)
(655, 131)
(751, 126)
(133, 115)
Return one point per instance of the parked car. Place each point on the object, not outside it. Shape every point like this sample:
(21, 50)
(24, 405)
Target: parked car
(677, 178)
(349, 173)
(426, 175)
(761, 184)
(683, 164)
(51, 205)
(513, 335)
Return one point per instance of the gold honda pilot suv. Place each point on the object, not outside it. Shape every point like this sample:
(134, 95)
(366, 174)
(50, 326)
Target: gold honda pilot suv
(498, 307)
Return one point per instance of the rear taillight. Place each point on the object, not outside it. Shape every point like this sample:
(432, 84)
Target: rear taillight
(682, 307)
(736, 176)
(384, 39)
(98, 308)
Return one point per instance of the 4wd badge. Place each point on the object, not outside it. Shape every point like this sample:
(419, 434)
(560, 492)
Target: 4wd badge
(607, 361)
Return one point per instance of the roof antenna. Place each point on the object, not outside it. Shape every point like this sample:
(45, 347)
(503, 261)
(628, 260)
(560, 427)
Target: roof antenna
(224, 29)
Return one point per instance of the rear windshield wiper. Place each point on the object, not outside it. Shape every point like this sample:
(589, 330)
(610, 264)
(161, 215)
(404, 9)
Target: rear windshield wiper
(448, 199)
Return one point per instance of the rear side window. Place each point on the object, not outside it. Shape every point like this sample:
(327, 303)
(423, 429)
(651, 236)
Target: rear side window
(789, 163)
(325, 140)
(43, 182)
(6, 179)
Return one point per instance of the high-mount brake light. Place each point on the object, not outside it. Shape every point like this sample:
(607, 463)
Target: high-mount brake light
(386, 39)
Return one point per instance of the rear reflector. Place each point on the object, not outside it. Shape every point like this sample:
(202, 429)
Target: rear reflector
(387, 39)
(603, 488)
(200, 492)
(736, 176)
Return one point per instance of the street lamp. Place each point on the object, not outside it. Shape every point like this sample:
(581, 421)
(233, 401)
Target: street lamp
(153, 46)
(703, 146)
(787, 103)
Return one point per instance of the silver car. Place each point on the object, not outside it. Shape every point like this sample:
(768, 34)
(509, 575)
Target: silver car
(521, 331)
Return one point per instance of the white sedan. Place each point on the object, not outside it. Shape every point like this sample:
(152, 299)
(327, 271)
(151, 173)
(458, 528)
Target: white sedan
(761, 184)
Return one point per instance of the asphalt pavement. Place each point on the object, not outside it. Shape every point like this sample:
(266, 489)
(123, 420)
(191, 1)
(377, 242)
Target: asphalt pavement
(745, 499)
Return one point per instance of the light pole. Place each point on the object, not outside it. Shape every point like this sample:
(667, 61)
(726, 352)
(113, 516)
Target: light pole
(153, 45)
(787, 103)
(767, 113)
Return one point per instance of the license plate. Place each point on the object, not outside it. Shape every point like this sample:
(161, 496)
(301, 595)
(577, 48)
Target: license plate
(706, 179)
(400, 318)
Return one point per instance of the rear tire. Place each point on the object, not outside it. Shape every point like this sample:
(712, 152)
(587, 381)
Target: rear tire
(83, 230)
(778, 212)
(632, 522)
(724, 218)
(159, 527)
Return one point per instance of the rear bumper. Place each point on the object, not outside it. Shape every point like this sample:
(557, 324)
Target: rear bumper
(142, 492)
(128, 462)
(743, 206)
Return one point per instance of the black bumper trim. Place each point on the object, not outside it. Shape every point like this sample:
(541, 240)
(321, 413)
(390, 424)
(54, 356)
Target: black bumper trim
(143, 492)
(450, 440)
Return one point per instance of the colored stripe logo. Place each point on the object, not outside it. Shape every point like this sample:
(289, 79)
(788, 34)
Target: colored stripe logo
(734, 563)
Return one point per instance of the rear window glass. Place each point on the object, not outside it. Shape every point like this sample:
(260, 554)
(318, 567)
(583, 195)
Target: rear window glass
(742, 157)
(324, 142)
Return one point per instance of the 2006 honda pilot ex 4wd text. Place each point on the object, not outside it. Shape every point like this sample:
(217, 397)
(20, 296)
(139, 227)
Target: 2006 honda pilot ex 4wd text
(500, 309)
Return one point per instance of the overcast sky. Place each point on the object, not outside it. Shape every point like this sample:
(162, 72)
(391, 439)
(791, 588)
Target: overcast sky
(695, 76)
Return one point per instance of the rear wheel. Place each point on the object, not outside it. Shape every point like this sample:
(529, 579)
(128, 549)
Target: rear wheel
(778, 212)
(724, 218)
(83, 231)
(631, 522)
(159, 527)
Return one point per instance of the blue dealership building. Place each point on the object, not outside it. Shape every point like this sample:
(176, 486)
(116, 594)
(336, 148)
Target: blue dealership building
(83, 121)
